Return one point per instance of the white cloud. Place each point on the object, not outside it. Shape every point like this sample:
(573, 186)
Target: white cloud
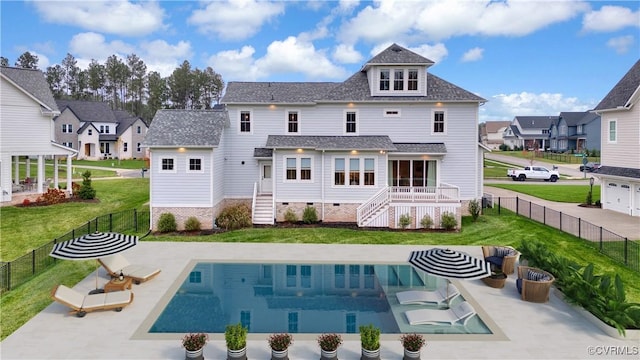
(507, 106)
(113, 17)
(235, 65)
(163, 57)
(438, 20)
(610, 18)
(621, 44)
(474, 54)
(346, 54)
(236, 19)
(90, 45)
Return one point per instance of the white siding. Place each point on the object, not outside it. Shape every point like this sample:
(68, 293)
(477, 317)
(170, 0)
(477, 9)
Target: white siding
(181, 188)
(625, 152)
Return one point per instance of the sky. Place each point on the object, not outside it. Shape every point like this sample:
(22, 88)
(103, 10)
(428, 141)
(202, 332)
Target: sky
(534, 57)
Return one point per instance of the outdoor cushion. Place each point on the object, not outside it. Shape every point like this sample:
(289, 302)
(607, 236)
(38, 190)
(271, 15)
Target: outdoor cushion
(534, 275)
(519, 285)
(495, 260)
(82, 304)
(502, 252)
(116, 263)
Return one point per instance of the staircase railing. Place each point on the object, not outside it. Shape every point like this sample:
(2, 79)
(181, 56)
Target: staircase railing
(368, 208)
(253, 201)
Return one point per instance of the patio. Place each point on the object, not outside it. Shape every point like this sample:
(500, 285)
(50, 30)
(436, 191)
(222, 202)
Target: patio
(554, 330)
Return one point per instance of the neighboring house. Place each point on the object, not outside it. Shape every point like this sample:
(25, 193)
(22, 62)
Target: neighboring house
(575, 131)
(492, 133)
(620, 154)
(98, 132)
(391, 140)
(529, 132)
(27, 109)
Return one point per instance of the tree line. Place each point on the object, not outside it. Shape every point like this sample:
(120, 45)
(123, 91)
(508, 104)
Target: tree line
(127, 85)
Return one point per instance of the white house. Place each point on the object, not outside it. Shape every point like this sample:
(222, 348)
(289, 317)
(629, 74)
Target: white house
(620, 156)
(27, 110)
(391, 140)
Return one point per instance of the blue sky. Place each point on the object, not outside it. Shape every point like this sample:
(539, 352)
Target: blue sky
(526, 57)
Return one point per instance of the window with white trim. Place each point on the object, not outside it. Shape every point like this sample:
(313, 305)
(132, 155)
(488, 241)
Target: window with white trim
(398, 80)
(245, 121)
(439, 120)
(139, 129)
(67, 128)
(101, 129)
(90, 132)
(384, 79)
(194, 164)
(403, 80)
(292, 122)
(412, 82)
(361, 171)
(351, 122)
(391, 113)
(125, 147)
(138, 147)
(613, 131)
(168, 164)
(298, 168)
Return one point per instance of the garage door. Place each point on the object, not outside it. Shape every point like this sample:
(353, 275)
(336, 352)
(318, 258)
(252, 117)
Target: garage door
(617, 197)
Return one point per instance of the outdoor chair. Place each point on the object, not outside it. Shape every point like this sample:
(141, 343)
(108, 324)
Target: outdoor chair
(534, 284)
(502, 257)
(439, 296)
(82, 304)
(117, 263)
(460, 313)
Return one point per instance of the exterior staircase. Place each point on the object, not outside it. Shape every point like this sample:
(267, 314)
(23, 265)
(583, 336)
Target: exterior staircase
(263, 210)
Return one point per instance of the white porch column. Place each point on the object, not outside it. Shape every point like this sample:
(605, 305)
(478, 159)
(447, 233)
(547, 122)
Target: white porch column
(55, 172)
(69, 186)
(39, 187)
(16, 166)
(28, 170)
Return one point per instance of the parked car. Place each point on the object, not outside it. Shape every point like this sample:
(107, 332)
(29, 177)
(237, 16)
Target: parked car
(590, 167)
(533, 172)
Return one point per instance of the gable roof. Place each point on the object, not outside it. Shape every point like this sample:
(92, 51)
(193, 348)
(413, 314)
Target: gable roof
(623, 91)
(536, 122)
(89, 110)
(125, 120)
(186, 128)
(572, 117)
(381, 142)
(494, 126)
(33, 82)
(397, 55)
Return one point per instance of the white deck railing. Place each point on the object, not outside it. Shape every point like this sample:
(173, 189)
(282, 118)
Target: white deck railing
(442, 193)
(368, 208)
(253, 201)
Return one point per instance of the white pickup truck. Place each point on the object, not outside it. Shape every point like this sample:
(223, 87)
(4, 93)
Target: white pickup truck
(533, 172)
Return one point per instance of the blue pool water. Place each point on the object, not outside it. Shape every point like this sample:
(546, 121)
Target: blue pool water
(299, 298)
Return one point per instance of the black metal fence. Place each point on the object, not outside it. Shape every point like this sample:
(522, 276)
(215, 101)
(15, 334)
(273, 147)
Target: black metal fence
(609, 243)
(20, 270)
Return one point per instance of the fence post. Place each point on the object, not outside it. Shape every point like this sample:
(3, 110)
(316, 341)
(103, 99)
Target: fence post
(530, 215)
(600, 238)
(544, 215)
(110, 222)
(499, 198)
(517, 206)
(626, 251)
(89, 227)
(73, 233)
(560, 220)
(135, 220)
(33, 262)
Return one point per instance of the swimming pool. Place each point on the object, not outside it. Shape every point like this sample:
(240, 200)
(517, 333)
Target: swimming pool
(299, 298)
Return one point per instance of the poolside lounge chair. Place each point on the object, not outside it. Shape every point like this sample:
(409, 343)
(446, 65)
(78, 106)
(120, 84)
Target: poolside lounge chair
(502, 257)
(534, 284)
(82, 304)
(438, 297)
(460, 313)
(116, 263)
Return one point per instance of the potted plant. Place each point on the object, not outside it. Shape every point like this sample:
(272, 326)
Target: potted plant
(370, 342)
(236, 339)
(412, 343)
(329, 344)
(279, 344)
(193, 344)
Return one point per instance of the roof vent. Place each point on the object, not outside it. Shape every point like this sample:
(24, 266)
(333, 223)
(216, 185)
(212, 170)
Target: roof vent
(396, 49)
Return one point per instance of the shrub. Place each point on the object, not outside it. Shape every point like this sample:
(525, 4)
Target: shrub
(413, 342)
(26, 202)
(192, 224)
(370, 337)
(504, 147)
(193, 342)
(280, 342)
(329, 342)
(236, 336)
(448, 221)
(234, 217)
(167, 223)
(86, 191)
(53, 196)
(309, 215)
(589, 199)
(426, 222)
(404, 221)
(474, 209)
(290, 216)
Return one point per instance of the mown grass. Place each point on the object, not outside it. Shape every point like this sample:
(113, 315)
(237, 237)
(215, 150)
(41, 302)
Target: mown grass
(122, 164)
(25, 228)
(554, 192)
(495, 169)
(548, 157)
(62, 172)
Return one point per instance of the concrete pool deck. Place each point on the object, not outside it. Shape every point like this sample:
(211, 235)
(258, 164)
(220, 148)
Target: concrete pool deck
(554, 330)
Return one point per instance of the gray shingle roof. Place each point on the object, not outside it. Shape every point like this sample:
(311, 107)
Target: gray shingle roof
(396, 54)
(536, 122)
(276, 92)
(202, 128)
(573, 117)
(33, 82)
(125, 120)
(421, 148)
(588, 117)
(262, 153)
(89, 110)
(622, 91)
(619, 171)
(330, 142)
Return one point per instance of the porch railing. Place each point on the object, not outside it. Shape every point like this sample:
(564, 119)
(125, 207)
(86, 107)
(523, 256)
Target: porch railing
(253, 201)
(368, 208)
(445, 192)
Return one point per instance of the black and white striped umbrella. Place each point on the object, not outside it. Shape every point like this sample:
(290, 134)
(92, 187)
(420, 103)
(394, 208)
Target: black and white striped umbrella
(450, 264)
(94, 246)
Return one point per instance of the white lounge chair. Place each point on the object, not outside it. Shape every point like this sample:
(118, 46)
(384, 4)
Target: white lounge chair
(82, 304)
(438, 297)
(460, 313)
(117, 263)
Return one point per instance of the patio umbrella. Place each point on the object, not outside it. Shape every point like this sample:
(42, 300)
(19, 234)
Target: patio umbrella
(449, 264)
(93, 246)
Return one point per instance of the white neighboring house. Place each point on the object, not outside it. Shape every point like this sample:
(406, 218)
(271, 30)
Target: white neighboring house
(620, 156)
(391, 140)
(27, 109)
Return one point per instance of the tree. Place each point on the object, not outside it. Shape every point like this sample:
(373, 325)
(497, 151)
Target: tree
(213, 87)
(86, 191)
(71, 73)
(115, 79)
(96, 81)
(180, 84)
(157, 94)
(54, 78)
(137, 79)
(4, 61)
(27, 61)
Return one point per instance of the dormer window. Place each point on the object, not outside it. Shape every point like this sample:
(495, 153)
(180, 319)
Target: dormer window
(384, 80)
(413, 80)
(398, 80)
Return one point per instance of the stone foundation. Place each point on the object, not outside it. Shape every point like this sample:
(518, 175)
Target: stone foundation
(332, 213)
(206, 215)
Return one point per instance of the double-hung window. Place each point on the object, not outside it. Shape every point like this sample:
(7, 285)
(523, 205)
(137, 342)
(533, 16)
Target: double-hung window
(354, 171)
(339, 172)
(613, 131)
(125, 147)
(398, 80)
(292, 122)
(139, 129)
(298, 168)
(439, 122)
(245, 121)
(384, 80)
(138, 147)
(351, 120)
(291, 169)
(412, 83)
(67, 128)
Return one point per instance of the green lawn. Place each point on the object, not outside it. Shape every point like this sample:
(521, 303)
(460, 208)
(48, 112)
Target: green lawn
(548, 156)
(554, 192)
(122, 164)
(495, 169)
(62, 171)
